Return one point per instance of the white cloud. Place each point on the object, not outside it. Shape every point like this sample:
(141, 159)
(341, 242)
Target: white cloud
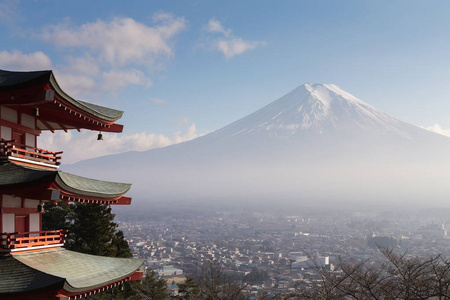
(7, 11)
(77, 85)
(75, 144)
(121, 41)
(158, 101)
(19, 61)
(229, 44)
(216, 26)
(103, 56)
(235, 46)
(438, 129)
(116, 80)
(189, 134)
(82, 65)
(183, 121)
(107, 56)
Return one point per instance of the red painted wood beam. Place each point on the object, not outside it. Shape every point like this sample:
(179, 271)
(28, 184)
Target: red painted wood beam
(117, 128)
(63, 127)
(95, 200)
(19, 127)
(136, 276)
(123, 201)
(47, 125)
(28, 95)
(38, 192)
(18, 210)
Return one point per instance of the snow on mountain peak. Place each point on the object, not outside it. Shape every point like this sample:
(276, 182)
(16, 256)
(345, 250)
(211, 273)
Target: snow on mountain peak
(315, 109)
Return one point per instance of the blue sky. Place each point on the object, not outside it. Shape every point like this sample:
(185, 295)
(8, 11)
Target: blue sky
(181, 69)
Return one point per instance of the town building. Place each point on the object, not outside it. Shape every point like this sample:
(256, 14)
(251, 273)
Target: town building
(33, 263)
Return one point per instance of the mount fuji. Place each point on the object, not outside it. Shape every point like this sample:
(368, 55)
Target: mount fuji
(317, 145)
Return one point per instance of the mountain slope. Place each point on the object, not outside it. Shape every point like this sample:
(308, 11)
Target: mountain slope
(317, 144)
(316, 109)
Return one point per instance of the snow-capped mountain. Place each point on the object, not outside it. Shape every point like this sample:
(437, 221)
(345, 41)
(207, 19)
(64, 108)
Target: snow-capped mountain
(316, 109)
(316, 144)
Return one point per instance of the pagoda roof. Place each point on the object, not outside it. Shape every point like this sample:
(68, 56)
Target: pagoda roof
(60, 269)
(19, 177)
(57, 109)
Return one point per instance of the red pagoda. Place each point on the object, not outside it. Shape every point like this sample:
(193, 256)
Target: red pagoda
(33, 263)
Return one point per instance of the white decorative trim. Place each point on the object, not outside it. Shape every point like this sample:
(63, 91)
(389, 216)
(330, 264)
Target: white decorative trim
(31, 248)
(36, 248)
(32, 162)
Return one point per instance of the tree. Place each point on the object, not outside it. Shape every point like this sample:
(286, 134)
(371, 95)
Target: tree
(120, 245)
(91, 228)
(153, 287)
(214, 284)
(400, 277)
(56, 217)
(189, 289)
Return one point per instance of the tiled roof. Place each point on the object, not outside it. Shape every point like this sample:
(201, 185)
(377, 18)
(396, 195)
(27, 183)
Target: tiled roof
(11, 80)
(18, 279)
(15, 80)
(91, 187)
(73, 271)
(14, 176)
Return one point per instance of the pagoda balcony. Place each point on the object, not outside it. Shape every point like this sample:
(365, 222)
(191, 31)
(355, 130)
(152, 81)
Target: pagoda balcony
(20, 152)
(26, 241)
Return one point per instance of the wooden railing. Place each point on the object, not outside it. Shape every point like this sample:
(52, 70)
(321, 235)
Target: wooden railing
(27, 240)
(13, 149)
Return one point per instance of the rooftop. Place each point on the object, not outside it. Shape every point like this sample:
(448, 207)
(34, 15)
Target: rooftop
(57, 110)
(21, 179)
(71, 271)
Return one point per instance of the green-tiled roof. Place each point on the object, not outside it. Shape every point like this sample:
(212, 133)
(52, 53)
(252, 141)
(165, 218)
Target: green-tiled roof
(61, 268)
(91, 187)
(14, 80)
(99, 111)
(13, 176)
(18, 279)
(81, 271)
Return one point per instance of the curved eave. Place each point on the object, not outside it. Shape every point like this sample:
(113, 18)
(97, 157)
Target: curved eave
(15, 176)
(81, 271)
(38, 183)
(10, 80)
(90, 187)
(62, 293)
(64, 270)
(67, 197)
(18, 279)
(101, 112)
(58, 110)
(73, 120)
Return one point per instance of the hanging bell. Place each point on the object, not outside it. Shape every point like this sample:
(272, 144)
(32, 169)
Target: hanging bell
(40, 208)
(36, 111)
